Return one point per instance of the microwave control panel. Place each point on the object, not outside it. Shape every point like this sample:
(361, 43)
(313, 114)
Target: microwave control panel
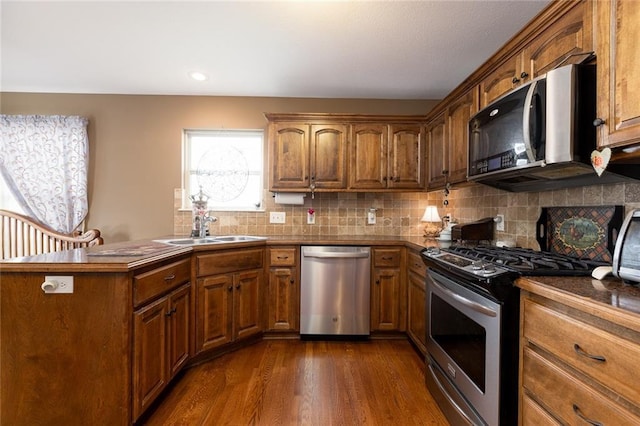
(501, 161)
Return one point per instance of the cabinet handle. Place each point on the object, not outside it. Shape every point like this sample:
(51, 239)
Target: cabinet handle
(171, 312)
(445, 172)
(377, 281)
(514, 80)
(387, 257)
(384, 178)
(292, 281)
(238, 287)
(169, 277)
(524, 74)
(579, 351)
(230, 288)
(283, 257)
(313, 178)
(598, 122)
(576, 410)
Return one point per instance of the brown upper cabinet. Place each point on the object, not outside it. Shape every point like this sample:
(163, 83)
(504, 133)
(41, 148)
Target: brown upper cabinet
(618, 72)
(330, 152)
(567, 40)
(448, 141)
(387, 156)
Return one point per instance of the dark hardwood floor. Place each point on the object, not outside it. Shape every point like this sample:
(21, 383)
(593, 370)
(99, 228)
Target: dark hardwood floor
(292, 382)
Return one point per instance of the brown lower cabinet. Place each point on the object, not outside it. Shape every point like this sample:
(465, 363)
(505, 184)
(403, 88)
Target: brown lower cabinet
(161, 348)
(576, 368)
(284, 289)
(388, 291)
(229, 293)
(416, 301)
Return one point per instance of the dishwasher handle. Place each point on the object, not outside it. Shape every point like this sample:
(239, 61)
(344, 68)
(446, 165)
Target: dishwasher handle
(336, 254)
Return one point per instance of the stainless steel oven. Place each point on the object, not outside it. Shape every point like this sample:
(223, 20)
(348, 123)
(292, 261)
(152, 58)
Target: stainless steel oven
(473, 323)
(472, 327)
(464, 347)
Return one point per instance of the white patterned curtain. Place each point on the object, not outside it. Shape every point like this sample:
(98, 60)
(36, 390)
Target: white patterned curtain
(45, 162)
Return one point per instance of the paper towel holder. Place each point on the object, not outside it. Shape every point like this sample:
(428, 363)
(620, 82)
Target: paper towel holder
(294, 198)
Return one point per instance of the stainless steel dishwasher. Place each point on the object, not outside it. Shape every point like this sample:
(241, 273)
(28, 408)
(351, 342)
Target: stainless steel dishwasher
(335, 290)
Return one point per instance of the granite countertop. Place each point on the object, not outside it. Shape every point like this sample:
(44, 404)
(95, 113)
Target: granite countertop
(609, 298)
(130, 255)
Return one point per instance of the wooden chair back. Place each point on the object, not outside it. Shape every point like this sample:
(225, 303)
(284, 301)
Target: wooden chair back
(22, 236)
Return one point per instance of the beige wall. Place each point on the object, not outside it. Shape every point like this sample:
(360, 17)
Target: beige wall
(135, 145)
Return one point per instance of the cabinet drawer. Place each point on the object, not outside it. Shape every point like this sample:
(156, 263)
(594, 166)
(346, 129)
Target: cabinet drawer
(572, 340)
(149, 285)
(282, 256)
(415, 264)
(386, 257)
(229, 261)
(535, 415)
(567, 397)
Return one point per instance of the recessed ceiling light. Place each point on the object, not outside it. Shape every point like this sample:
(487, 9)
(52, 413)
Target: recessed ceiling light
(198, 76)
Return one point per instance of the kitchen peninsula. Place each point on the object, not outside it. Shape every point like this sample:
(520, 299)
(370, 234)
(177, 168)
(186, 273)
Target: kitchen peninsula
(138, 313)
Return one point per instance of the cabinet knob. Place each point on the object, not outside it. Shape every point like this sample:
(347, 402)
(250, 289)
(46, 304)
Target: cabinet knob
(291, 281)
(230, 288)
(515, 80)
(598, 122)
(524, 74)
(238, 287)
(377, 281)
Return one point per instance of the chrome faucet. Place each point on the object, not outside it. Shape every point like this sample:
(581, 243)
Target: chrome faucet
(203, 221)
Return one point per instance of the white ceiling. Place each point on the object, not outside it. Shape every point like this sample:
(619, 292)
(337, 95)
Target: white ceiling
(324, 49)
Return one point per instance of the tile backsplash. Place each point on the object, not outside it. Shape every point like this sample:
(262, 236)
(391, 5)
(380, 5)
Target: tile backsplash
(398, 214)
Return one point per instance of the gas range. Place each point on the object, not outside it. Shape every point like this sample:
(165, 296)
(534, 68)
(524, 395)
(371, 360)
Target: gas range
(486, 263)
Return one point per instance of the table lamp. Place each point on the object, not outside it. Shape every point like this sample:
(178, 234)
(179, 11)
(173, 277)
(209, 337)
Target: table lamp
(431, 217)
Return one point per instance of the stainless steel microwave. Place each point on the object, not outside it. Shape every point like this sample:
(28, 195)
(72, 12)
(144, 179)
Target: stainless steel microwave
(540, 135)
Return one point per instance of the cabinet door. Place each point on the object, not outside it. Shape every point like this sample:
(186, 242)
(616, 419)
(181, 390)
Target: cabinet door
(436, 153)
(386, 312)
(328, 156)
(284, 299)
(568, 40)
(406, 157)
(417, 311)
(457, 137)
(214, 311)
(501, 80)
(247, 303)
(368, 166)
(618, 70)
(289, 162)
(150, 354)
(178, 329)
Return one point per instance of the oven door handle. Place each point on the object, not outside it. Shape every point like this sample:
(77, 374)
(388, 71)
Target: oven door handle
(466, 302)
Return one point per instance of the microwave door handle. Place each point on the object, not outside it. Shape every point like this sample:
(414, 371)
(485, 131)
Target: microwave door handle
(526, 121)
(466, 302)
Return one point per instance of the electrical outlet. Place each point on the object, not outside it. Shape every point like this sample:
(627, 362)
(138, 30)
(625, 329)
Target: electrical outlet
(277, 217)
(57, 284)
(311, 218)
(371, 217)
(499, 222)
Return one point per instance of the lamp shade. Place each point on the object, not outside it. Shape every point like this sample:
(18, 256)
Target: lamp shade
(430, 215)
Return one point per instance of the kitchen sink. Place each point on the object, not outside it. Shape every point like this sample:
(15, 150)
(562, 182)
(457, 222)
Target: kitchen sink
(211, 240)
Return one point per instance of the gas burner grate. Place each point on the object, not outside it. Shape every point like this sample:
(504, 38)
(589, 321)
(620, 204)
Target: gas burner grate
(529, 261)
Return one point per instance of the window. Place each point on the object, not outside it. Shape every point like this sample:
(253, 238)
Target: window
(227, 165)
